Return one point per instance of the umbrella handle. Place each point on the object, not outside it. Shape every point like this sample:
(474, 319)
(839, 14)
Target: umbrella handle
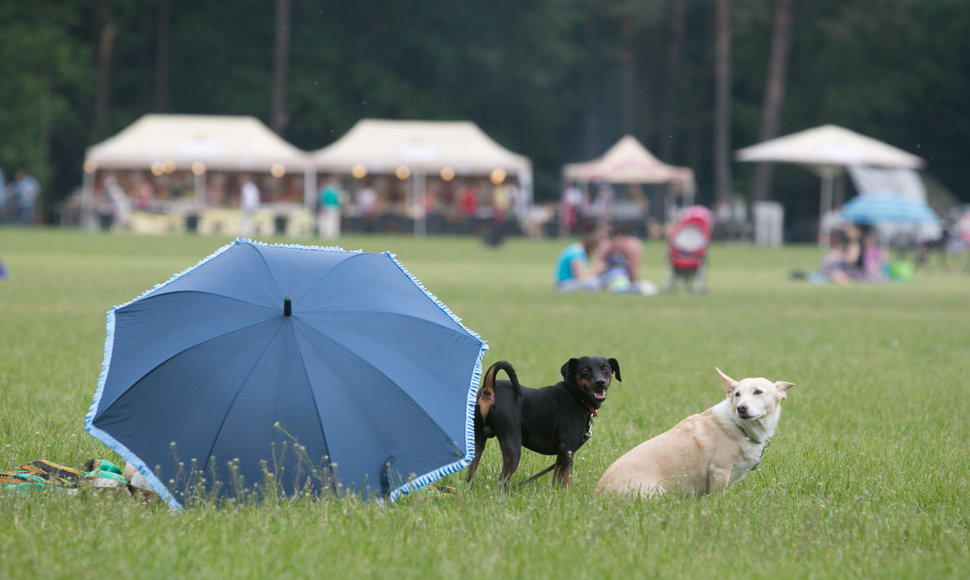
(287, 306)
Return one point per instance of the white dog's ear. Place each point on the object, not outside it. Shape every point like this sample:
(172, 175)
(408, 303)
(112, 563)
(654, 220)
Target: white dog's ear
(783, 387)
(728, 382)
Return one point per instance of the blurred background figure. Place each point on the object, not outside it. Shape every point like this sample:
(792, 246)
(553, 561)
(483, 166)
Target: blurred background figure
(328, 210)
(118, 203)
(855, 254)
(249, 200)
(621, 264)
(3, 197)
(26, 190)
(579, 265)
(875, 259)
(572, 200)
(144, 195)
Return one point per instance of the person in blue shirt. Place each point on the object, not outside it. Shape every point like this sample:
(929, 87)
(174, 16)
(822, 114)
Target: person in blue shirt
(577, 265)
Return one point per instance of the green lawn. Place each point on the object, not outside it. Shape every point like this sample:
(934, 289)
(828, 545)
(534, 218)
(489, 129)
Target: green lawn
(867, 476)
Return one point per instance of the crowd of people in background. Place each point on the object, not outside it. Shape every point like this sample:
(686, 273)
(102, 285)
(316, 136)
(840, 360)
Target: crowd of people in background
(466, 206)
(371, 204)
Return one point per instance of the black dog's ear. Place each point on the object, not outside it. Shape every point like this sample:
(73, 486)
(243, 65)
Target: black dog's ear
(616, 368)
(568, 369)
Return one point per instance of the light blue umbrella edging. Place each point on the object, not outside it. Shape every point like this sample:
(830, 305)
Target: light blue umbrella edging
(404, 489)
(470, 402)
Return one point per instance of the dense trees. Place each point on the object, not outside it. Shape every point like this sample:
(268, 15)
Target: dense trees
(558, 80)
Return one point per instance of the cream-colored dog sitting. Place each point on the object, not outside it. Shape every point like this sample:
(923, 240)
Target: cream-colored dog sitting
(705, 452)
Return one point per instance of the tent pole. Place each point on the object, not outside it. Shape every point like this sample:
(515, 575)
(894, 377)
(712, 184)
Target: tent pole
(825, 204)
(309, 188)
(417, 182)
(201, 194)
(86, 220)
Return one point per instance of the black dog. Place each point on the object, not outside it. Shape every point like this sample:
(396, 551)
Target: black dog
(553, 420)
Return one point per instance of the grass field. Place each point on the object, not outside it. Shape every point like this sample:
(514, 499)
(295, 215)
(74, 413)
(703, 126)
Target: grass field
(867, 476)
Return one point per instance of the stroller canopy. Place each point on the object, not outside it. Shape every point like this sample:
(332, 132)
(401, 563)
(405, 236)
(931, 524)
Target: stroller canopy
(691, 236)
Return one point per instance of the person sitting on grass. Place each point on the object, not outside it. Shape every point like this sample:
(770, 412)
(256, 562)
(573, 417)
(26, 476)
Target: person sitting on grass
(578, 265)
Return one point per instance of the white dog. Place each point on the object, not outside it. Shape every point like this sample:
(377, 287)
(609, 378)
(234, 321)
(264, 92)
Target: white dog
(705, 452)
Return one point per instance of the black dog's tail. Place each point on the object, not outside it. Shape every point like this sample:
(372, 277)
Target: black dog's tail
(486, 395)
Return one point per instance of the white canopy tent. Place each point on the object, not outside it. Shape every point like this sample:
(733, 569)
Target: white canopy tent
(196, 143)
(827, 151)
(416, 149)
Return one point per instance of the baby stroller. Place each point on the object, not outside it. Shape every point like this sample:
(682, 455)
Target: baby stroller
(688, 248)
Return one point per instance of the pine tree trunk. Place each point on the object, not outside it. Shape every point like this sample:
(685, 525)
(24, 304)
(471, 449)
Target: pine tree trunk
(668, 108)
(722, 106)
(590, 113)
(102, 96)
(163, 57)
(774, 92)
(279, 119)
(628, 68)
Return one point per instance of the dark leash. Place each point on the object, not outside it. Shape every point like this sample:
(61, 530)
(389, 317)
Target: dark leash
(585, 438)
(764, 445)
(536, 476)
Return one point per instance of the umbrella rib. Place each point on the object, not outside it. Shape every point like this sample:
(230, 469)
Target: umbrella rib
(428, 296)
(222, 423)
(382, 373)
(269, 271)
(323, 279)
(210, 293)
(316, 405)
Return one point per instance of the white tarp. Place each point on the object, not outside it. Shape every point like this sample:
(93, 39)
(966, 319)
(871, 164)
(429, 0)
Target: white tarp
(900, 181)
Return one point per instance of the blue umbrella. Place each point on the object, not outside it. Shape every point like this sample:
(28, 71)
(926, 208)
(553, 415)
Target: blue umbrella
(269, 368)
(887, 208)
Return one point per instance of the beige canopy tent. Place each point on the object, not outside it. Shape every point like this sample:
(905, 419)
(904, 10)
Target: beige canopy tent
(196, 143)
(382, 146)
(628, 161)
(416, 149)
(223, 143)
(827, 151)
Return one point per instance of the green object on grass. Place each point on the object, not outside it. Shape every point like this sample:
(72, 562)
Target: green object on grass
(901, 270)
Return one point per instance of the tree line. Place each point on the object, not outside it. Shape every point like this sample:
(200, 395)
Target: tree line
(556, 80)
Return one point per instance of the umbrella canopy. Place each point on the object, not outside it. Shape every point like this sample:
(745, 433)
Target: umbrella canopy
(828, 150)
(313, 368)
(887, 208)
